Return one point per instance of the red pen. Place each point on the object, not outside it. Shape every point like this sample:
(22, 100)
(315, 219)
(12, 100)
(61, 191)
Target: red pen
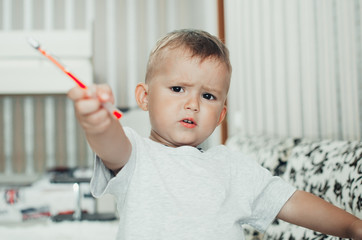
(107, 105)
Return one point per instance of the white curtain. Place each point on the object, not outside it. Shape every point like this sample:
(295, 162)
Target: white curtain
(126, 31)
(297, 67)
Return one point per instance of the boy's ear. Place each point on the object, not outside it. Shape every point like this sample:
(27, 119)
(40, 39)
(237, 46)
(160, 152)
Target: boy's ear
(142, 96)
(222, 115)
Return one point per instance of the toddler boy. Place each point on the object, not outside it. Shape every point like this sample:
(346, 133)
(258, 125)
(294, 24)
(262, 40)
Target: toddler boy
(167, 188)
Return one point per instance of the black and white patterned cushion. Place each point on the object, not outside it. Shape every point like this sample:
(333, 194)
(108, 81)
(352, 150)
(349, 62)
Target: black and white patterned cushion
(331, 170)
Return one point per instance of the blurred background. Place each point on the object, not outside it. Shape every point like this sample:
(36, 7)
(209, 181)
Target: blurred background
(45, 162)
(101, 42)
(297, 69)
(297, 72)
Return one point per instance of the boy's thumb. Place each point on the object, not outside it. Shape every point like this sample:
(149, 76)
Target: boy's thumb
(104, 97)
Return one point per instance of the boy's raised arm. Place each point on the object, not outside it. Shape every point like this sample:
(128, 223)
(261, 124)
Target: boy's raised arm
(105, 134)
(306, 210)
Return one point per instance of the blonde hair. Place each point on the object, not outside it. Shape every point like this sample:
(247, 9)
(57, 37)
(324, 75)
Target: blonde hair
(201, 44)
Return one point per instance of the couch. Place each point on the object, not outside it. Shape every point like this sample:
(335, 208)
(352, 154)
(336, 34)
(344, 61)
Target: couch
(330, 169)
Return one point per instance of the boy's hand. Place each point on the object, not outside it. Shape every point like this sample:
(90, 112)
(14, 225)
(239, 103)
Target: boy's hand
(88, 110)
(104, 133)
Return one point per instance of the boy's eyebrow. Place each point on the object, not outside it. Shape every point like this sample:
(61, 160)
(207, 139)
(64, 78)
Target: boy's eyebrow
(213, 90)
(184, 83)
(180, 82)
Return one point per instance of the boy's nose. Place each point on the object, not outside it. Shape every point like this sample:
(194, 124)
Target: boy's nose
(192, 104)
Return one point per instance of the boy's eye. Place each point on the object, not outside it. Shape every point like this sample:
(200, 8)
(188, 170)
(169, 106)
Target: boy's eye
(208, 96)
(177, 89)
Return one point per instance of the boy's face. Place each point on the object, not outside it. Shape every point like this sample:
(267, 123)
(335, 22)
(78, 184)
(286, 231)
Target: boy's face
(185, 98)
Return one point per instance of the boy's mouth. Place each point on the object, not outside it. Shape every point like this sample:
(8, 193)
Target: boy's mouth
(188, 122)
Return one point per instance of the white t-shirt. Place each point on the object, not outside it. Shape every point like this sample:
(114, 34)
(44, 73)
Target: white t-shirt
(183, 193)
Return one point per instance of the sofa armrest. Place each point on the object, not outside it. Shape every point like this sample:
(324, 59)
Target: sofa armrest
(329, 169)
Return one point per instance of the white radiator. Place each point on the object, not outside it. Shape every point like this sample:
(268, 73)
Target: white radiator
(38, 127)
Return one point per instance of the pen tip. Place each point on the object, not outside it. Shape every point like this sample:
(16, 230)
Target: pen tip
(34, 43)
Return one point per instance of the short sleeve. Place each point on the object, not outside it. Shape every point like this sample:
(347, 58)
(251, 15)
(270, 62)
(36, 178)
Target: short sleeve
(269, 201)
(267, 194)
(104, 182)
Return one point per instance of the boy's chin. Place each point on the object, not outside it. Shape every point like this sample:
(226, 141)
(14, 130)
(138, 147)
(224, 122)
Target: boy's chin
(181, 143)
(177, 140)
(188, 143)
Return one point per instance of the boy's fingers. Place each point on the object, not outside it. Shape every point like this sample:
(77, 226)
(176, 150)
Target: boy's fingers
(76, 93)
(88, 102)
(96, 121)
(104, 93)
(87, 106)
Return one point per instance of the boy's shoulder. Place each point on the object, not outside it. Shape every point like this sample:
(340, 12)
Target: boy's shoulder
(226, 156)
(132, 135)
(129, 130)
(226, 151)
